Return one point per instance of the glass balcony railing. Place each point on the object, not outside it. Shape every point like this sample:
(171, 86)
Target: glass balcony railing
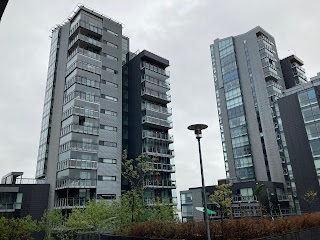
(87, 25)
(159, 183)
(29, 181)
(283, 197)
(76, 183)
(155, 81)
(85, 39)
(70, 202)
(162, 96)
(85, 53)
(152, 201)
(239, 198)
(156, 151)
(156, 121)
(155, 69)
(77, 163)
(161, 167)
(157, 135)
(79, 129)
(156, 108)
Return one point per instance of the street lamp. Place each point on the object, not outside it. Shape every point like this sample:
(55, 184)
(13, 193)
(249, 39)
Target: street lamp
(197, 130)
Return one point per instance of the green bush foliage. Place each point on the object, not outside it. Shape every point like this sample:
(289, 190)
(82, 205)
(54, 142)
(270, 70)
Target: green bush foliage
(16, 228)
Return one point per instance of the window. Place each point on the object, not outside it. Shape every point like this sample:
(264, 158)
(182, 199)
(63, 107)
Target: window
(107, 144)
(108, 112)
(110, 70)
(108, 160)
(107, 178)
(107, 196)
(110, 44)
(111, 32)
(109, 83)
(112, 57)
(109, 128)
(109, 98)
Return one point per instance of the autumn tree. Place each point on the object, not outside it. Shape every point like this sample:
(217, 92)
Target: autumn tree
(310, 197)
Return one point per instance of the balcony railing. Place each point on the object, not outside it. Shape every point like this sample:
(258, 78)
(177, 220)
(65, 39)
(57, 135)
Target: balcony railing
(70, 202)
(155, 81)
(155, 94)
(155, 69)
(165, 152)
(161, 167)
(157, 135)
(271, 75)
(156, 108)
(79, 129)
(29, 181)
(77, 163)
(85, 39)
(239, 198)
(156, 121)
(86, 25)
(7, 206)
(283, 197)
(76, 183)
(85, 53)
(152, 201)
(159, 183)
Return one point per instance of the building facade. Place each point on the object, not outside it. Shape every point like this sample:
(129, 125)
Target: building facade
(298, 114)
(244, 203)
(249, 78)
(80, 150)
(149, 121)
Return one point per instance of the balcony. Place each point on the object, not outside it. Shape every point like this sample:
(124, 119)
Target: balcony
(163, 167)
(77, 163)
(155, 81)
(159, 183)
(86, 25)
(79, 129)
(86, 39)
(152, 201)
(156, 108)
(239, 198)
(269, 75)
(155, 96)
(157, 151)
(29, 181)
(157, 135)
(283, 198)
(69, 202)
(76, 183)
(84, 52)
(156, 122)
(154, 68)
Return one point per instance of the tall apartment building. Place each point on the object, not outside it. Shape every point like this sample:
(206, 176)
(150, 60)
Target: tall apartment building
(149, 120)
(249, 78)
(298, 116)
(80, 150)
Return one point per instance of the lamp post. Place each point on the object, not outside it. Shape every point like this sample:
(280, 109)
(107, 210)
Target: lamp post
(197, 130)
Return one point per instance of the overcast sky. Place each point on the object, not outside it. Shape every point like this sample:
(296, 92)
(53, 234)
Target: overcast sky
(179, 30)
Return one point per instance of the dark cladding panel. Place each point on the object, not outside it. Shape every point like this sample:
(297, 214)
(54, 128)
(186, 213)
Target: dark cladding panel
(299, 149)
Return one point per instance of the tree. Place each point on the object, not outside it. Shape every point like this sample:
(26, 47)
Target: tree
(162, 211)
(17, 228)
(135, 171)
(257, 193)
(221, 198)
(52, 222)
(310, 196)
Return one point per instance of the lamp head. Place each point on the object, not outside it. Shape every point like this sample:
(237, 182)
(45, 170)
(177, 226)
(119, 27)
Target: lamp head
(197, 128)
